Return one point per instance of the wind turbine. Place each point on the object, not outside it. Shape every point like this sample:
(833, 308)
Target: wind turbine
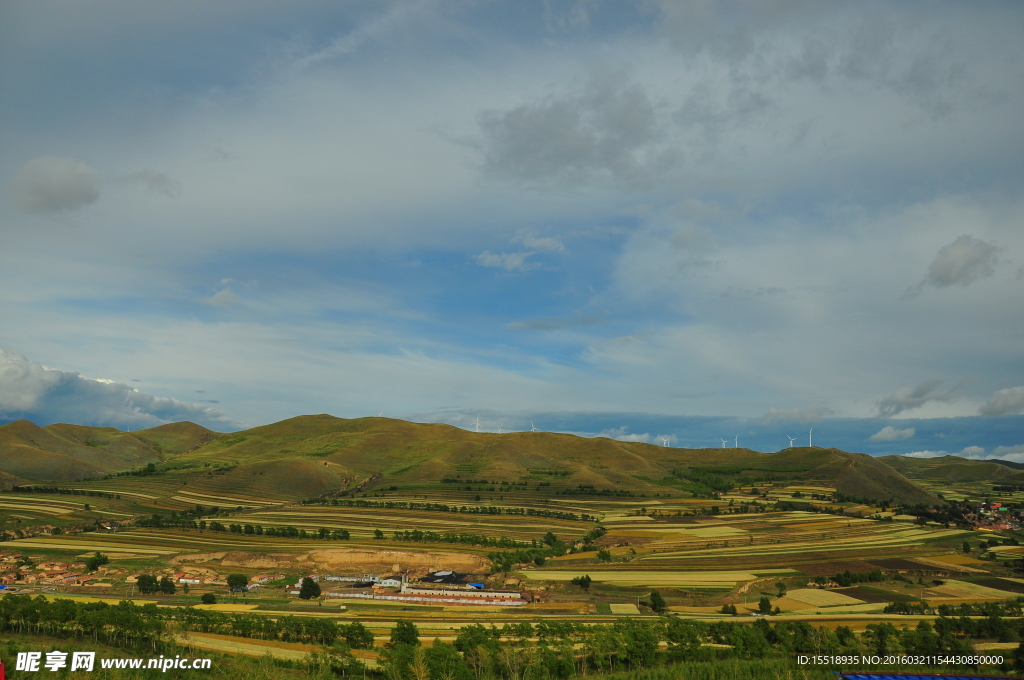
(533, 428)
(791, 440)
(380, 414)
(723, 443)
(809, 440)
(499, 430)
(664, 441)
(736, 445)
(477, 423)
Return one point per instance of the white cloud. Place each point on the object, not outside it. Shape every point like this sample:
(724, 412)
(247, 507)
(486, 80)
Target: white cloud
(622, 434)
(926, 454)
(907, 398)
(892, 434)
(223, 298)
(809, 414)
(44, 395)
(1004, 402)
(961, 262)
(530, 240)
(49, 185)
(507, 261)
(1003, 451)
(972, 452)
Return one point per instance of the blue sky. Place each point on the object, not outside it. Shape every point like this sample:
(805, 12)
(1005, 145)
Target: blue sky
(694, 220)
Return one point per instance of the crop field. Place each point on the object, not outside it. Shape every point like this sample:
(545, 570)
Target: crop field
(964, 591)
(720, 580)
(821, 598)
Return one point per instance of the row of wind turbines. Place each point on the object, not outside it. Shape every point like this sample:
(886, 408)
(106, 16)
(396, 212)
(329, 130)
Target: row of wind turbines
(533, 428)
(810, 440)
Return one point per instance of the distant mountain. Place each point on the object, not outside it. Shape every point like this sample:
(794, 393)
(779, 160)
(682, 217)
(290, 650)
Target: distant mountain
(951, 468)
(61, 453)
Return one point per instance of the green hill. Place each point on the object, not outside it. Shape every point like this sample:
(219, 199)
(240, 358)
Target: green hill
(949, 468)
(310, 456)
(394, 452)
(62, 452)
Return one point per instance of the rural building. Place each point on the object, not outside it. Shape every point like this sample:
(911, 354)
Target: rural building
(475, 593)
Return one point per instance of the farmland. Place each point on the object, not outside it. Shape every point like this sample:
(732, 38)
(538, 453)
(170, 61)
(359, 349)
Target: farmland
(805, 533)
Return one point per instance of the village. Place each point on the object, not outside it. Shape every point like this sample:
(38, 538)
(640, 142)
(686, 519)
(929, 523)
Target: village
(25, 573)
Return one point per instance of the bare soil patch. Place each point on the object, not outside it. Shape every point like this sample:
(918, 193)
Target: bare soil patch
(1001, 584)
(341, 559)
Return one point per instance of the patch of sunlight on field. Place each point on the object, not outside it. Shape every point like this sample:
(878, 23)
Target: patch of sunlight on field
(624, 609)
(963, 590)
(226, 607)
(248, 648)
(871, 608)
(1007, 550)
(628, 518)
(821, 598)
(71, 544)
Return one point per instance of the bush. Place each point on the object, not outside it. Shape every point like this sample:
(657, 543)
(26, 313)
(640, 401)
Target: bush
(208, 598)
(604, 556)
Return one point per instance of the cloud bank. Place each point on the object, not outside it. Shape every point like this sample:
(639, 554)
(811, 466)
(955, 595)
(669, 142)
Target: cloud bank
(44, 395)
(1004, 402)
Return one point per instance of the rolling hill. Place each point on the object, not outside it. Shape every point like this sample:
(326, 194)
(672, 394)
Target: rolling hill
(395, 452)
(62, 452)
(949, 468)
(309, 456)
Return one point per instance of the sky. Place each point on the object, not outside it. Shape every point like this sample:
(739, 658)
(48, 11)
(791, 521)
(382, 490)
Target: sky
(674, 222)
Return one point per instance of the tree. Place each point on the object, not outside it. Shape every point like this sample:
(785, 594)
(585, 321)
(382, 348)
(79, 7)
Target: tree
(237, 582)
(728, 609)
(166, 586)
(657, 601)
(208, 598)
(550, 539)
(147, 584)
(357, 635)
(764, 605)
(604, 556)
(96, 561)
(782, 588)
(966, 547)
(378, 534)
(405, 633)
(309, 589)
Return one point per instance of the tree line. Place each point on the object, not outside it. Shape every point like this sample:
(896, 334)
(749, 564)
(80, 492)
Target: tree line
(442, 507)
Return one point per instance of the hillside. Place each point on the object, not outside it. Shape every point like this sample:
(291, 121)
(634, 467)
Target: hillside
(949, 468)
(310, 456)
(62, 452)
(395, 452)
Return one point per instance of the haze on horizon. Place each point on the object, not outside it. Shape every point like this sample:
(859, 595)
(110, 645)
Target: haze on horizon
(633, 219)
